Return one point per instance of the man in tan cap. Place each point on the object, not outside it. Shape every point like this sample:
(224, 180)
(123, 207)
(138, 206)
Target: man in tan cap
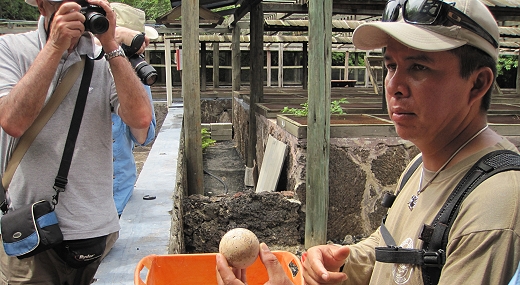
(441, 61)
(32, 66)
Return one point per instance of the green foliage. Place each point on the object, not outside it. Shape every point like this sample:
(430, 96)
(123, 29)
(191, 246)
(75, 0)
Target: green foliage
(18, 10)
(338, 59)
(152, 8)
(335, 108)
(507, 62)
(206, 139)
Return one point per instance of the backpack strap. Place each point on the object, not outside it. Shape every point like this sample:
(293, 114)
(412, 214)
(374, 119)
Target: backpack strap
(389, 198)
(435, 236)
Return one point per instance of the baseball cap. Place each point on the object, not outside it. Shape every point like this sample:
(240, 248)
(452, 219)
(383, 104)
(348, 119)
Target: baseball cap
(132, 18)
(33, 2)
(432, 38)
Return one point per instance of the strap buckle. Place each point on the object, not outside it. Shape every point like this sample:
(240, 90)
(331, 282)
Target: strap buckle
(434, 258)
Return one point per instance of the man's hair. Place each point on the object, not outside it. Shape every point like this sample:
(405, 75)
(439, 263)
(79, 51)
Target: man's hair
(471, 59)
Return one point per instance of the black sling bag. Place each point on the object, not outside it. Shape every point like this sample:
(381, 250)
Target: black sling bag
(432, 256)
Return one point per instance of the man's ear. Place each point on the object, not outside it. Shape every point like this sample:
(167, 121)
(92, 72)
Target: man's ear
(483, 79)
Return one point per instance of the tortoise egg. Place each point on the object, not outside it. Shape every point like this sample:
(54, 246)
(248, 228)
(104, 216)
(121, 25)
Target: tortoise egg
(240, 247)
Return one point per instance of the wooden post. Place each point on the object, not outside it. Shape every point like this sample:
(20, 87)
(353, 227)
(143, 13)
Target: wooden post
(203, 66)
(305, 69)
(268, 68)
(168, 69)
(235, 59)
(191, 95)
(518, 75)
(216, 66)
(346, 65)
(280, 65)
(318, 122)
(256, 80)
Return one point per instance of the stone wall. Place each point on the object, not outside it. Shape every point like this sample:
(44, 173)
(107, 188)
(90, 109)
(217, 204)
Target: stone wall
(361, 169)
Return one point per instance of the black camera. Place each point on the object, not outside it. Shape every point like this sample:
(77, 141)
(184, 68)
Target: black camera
(145, 72)
(95, 18)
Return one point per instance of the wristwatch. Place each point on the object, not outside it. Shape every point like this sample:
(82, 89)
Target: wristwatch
(115, 53)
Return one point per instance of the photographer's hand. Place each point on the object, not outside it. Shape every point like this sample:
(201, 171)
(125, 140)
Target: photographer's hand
(126, 36)
(66, 27)
(108, 38)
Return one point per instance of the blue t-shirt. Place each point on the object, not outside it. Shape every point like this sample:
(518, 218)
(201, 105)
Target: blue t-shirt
(125, 173)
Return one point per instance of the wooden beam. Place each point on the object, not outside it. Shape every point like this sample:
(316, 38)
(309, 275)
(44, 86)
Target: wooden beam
(203, 66)
(216, 65)
(235, 59)
(318, 122)
(305, 66)
(256, 79)
(244, 9)
(191, 96)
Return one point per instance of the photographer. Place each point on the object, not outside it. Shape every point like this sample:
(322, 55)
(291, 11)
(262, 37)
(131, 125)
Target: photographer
(130, 26)
(32, 65)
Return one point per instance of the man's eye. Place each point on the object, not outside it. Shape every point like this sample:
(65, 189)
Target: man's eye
(418, 67)
(391, 66)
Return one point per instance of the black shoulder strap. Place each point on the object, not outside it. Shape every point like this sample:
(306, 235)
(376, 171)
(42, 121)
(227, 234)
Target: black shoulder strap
(60, 182)
(389, 198)
(435, 236)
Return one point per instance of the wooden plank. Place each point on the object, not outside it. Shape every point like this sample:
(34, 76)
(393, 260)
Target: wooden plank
(274, 157)
(216, 67)
(318, 136)
(191, 95)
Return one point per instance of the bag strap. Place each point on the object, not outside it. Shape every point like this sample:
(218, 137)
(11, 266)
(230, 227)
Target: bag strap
(46, 113)
(433, 254)
(435, 236)
(389, 198)
(60, 182)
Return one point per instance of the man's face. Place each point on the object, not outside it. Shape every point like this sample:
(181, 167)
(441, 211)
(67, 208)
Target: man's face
(427, 98)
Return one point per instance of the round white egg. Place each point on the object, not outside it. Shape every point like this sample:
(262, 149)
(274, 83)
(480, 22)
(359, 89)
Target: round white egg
(240, 247)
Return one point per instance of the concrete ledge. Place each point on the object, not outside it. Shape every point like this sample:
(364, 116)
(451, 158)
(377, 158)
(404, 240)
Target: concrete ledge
(145, 224)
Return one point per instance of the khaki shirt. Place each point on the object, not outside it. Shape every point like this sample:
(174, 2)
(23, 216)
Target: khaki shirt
(484, 241)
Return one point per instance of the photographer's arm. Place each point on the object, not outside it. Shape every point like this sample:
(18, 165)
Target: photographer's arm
(21, 106)
(134, 106)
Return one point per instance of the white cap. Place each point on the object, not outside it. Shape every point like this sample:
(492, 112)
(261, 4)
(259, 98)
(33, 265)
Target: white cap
(430, 38)
(132, 18)
(33, 2)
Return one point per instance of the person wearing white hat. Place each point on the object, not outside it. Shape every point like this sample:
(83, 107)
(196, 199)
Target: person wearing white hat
(441, 65)
(130, 22)
(32, 66)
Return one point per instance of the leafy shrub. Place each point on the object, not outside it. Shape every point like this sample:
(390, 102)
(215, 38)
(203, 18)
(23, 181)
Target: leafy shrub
(335, 108)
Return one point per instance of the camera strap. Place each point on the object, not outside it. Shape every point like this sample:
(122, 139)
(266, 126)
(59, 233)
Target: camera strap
(60, 182)
(28, 137)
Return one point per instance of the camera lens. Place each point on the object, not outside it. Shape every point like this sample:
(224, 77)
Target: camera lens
(96, 23)
(145, 72)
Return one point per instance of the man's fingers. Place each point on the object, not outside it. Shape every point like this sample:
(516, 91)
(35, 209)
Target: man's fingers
(227, 275)
(274, 268)
(342, 253)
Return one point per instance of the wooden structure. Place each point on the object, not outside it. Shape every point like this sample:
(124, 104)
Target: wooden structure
(311, 25)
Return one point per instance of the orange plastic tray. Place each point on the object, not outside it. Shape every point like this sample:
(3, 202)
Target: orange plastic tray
(194, 269)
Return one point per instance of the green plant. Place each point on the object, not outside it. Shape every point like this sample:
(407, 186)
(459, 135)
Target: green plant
(206, 139)
(335, 108)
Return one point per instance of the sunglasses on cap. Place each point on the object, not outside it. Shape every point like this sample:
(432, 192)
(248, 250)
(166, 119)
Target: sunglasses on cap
(433, 13)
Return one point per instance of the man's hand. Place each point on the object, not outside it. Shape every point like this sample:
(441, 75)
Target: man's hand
(126, 36)
(108, 38)
(66, 27)
(231, 276)
(321, 264)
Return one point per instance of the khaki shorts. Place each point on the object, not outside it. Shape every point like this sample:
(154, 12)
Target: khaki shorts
(47, 268)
